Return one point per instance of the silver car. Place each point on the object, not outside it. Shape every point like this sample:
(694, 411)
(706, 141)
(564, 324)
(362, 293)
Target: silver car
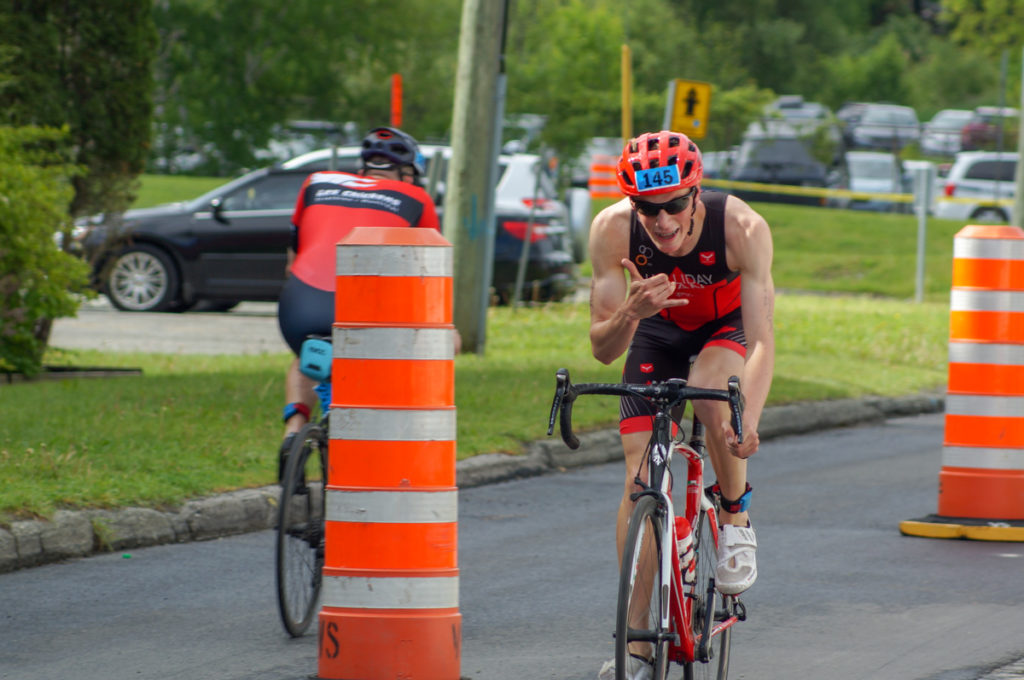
(886, 126)
(941, 135)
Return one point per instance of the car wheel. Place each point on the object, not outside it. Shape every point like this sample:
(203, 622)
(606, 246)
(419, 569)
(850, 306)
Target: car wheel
(142, 278)
(990, 215)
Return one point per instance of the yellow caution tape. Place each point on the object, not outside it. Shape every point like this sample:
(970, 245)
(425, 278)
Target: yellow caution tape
(826, 192)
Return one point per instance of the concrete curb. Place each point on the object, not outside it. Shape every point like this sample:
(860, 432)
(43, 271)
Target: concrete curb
(73, 534)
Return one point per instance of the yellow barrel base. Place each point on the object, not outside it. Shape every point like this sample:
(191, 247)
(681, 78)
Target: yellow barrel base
(937, 526)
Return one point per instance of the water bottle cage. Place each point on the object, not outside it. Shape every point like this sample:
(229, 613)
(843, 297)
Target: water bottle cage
(741, 504)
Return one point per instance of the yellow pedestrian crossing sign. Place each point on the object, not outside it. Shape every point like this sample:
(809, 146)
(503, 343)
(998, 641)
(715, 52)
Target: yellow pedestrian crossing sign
(689, 102)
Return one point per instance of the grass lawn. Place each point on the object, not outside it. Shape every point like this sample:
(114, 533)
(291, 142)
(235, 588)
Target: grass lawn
(194, 425)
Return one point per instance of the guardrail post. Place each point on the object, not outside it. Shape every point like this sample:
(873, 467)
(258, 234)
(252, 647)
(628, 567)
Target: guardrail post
(390, 596)
(981, 483)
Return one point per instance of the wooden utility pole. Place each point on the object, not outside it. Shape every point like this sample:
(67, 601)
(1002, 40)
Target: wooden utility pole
(1018, 204)
(469, 196)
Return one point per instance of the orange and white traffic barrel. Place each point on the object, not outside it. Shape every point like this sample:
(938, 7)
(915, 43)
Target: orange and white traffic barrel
(602, 182)
(390, 595)
(981, 483)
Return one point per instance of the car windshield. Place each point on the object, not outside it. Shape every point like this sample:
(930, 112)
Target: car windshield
(992, 118)
(805, 112)
(951, 119)
(888, 117)
(875, 168)
(762, 151)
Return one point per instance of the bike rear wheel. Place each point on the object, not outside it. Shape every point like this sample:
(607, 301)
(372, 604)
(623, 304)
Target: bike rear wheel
(300, 530)
(643, 593)
(717, 666)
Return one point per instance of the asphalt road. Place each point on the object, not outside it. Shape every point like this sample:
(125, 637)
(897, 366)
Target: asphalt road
(841, 593)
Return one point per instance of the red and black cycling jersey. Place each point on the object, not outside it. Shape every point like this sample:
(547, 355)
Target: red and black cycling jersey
(702, 275)
(330, 204)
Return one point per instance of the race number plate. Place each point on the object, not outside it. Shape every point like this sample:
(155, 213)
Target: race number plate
(657, 179)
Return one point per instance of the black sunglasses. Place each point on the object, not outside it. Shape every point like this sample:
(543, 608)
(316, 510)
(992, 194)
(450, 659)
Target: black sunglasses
(673, 207)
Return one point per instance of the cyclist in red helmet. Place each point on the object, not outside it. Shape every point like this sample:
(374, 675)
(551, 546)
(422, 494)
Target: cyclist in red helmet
(699, 287)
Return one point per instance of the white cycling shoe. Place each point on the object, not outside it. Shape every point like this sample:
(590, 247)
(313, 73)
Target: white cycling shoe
(639, 669)
(737, 560)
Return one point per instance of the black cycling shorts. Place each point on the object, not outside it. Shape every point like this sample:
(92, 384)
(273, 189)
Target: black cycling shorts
(661, 350)
(304, 310)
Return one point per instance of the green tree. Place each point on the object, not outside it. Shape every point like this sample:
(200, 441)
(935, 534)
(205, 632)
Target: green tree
(225, 89)
(37, 280)
(952, 77)
(876, 74)
(734, 110)
(990, 26)
(563, 61)
(85, 64)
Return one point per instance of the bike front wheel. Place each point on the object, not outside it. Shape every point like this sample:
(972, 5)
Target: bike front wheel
(643, 594)
(300, 529)
(701, 595)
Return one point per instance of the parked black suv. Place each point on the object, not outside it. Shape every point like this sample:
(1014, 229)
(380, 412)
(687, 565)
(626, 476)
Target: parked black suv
(777, 160)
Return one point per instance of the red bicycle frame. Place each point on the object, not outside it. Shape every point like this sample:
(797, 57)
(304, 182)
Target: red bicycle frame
(681, 601)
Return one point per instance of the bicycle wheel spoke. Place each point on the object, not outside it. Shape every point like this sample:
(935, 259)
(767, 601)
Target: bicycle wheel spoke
(642, 593)
(301, 530)
(716, 666)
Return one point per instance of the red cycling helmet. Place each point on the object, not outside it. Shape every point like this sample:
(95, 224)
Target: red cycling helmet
(659, 162)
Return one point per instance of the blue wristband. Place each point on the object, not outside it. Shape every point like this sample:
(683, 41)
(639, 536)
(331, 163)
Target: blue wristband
(294, 409)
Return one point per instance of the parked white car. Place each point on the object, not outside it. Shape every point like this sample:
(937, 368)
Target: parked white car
(980, 187)
(941, 135)
(886, 126)
(873, 172)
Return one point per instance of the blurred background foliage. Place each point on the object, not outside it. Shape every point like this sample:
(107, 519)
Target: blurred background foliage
(217, 80)
(229, 73)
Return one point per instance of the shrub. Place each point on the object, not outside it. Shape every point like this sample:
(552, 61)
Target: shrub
(38, 281)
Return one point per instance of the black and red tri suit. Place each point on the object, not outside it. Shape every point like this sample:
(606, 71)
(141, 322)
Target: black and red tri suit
(665, 343)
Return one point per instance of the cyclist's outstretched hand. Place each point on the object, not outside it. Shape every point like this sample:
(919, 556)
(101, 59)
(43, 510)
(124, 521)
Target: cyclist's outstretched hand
(649, 296)
(750, 441)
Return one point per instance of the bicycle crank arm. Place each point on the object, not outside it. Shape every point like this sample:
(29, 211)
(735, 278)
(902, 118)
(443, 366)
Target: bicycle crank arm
(634, 635)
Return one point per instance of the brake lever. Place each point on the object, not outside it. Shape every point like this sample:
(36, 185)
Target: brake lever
(736, 405)
(561, 385)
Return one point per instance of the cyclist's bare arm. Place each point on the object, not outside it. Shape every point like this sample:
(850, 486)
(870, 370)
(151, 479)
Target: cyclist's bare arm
(749, 249)
(616, 306)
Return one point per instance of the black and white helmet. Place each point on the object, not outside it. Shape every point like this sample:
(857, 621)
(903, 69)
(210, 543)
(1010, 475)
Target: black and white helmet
(395, 145)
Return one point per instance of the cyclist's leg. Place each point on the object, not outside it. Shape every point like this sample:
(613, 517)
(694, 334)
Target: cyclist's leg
(298, 389)
(712, 369)
(634, 444)
(721, 355)
(302, 310)
(737, 566)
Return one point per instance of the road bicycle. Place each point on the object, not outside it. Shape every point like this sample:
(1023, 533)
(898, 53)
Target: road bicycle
(668, 609)
(300, 520)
